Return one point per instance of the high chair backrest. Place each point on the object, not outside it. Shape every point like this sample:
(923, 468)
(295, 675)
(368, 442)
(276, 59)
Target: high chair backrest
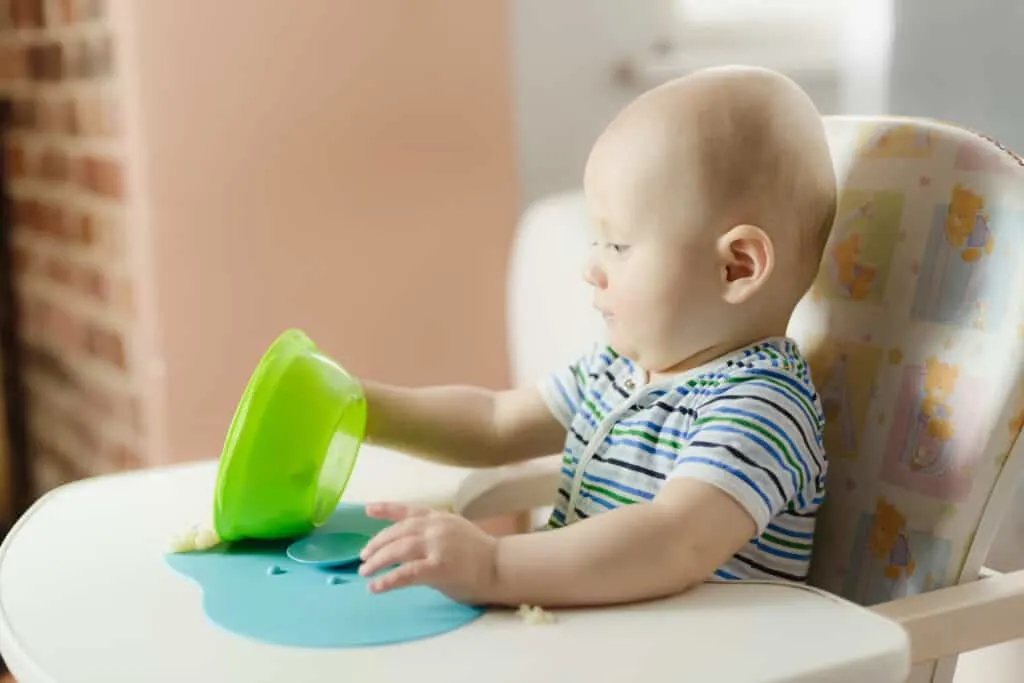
(914, 331)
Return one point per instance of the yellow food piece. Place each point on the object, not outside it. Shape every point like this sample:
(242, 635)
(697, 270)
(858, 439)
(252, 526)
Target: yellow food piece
(184, 542)
(535, 616)
(194, 538)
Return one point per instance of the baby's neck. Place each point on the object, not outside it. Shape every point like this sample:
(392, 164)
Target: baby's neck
(706, 355)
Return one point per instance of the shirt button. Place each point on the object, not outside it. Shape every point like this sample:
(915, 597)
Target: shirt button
(630, 384)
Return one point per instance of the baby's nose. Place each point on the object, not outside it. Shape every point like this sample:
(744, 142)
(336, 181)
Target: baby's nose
(594, 276)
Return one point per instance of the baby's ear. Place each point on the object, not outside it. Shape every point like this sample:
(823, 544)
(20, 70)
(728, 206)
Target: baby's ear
(747, 259)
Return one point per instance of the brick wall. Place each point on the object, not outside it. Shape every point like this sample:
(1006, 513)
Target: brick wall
(64, 158)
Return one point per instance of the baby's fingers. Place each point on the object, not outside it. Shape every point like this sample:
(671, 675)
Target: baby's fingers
(395, 512)
(410, 574)
(389, 535)
(408, 548)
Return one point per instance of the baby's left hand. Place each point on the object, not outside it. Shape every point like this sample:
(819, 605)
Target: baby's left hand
(432, 548)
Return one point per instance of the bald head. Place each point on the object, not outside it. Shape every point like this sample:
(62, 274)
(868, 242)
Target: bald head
(727, 146)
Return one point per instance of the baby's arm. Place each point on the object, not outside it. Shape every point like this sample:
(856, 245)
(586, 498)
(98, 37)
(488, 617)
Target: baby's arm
(464, 426)
(752, 450)
(749, 455)
(633, 553)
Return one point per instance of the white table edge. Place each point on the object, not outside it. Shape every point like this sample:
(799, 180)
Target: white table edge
(21, 664)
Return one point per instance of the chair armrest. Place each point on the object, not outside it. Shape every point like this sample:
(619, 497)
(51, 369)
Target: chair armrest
(988, 573)
(961, 618)
(508, 490)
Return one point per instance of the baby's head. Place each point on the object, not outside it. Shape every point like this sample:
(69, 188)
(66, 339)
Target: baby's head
(711, 198)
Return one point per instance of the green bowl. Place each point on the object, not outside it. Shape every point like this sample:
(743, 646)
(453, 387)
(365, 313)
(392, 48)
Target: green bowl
(291, 445)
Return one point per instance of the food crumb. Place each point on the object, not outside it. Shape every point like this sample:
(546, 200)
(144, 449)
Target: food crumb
(535, 616)
(194, 538)
(184, 542)
(206, 538)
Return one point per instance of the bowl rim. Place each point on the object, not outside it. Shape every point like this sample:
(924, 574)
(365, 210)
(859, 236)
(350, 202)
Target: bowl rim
(271, 367)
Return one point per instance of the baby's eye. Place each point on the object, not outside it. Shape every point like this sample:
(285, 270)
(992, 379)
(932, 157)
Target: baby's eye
(617, 248)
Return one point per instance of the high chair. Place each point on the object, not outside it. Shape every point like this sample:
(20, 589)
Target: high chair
(918, 304)
(915, 333)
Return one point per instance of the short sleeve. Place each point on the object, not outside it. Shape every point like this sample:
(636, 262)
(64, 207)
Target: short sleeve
(564, 389)
(757, 440)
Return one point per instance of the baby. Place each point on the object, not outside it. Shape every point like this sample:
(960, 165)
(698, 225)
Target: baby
(692, 443)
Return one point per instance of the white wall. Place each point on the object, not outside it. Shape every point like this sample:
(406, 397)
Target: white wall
(961, 61)
(565, 54)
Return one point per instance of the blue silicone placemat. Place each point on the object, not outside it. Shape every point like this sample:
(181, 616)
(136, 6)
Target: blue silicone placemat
(253, 589)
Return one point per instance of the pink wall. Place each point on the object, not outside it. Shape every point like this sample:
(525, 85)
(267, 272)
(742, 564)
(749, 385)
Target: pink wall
(343, 166)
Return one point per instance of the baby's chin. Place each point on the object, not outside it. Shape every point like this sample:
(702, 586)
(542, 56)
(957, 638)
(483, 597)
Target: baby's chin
(621, 346)
(626, 346)
(647, 359)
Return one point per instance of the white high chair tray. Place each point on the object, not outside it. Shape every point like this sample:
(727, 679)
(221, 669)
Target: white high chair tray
(85, 596)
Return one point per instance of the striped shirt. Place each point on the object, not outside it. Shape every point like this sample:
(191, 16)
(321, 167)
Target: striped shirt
(749, 423)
